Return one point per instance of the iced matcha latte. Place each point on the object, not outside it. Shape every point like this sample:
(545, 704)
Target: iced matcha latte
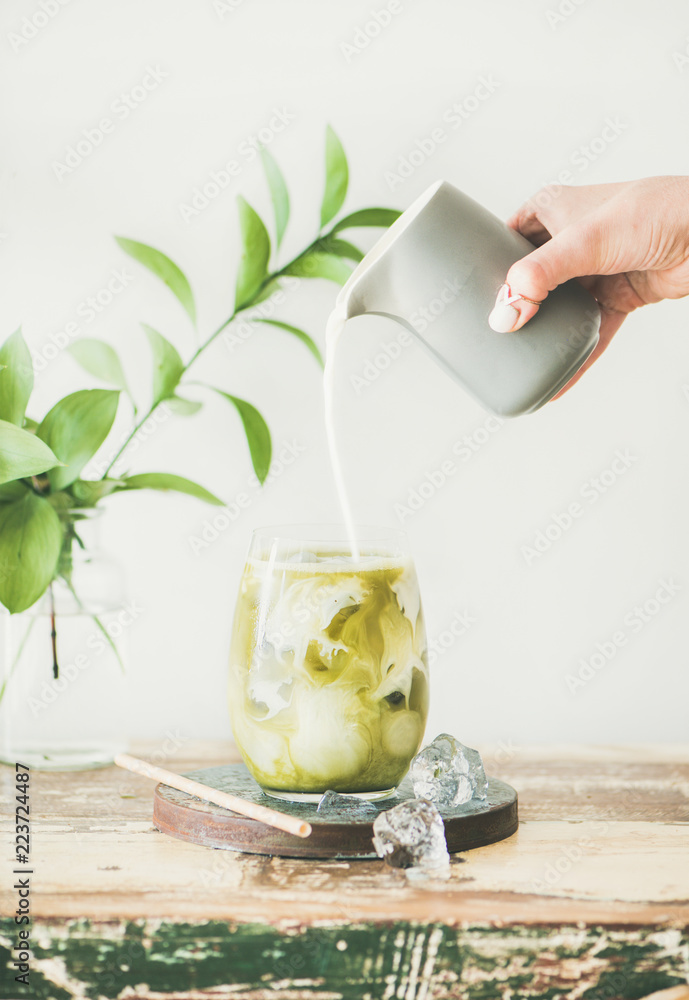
(328, 675)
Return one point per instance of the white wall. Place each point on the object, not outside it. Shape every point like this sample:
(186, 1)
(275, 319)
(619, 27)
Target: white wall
(559, 79)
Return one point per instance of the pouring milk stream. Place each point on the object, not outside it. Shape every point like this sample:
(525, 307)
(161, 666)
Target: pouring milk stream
(446, 241)
(333, 331)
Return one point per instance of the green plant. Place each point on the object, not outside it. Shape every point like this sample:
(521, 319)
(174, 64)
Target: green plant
(41, 489)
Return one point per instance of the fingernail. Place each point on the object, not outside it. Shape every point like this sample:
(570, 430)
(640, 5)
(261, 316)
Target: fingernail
(504, 316)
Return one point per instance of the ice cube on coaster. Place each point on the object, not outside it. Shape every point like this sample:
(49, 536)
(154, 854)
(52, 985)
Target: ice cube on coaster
(411, 834)
(345, 806)
(448, 773)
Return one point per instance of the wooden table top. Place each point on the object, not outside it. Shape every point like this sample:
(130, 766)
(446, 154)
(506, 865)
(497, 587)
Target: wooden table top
(603, 840)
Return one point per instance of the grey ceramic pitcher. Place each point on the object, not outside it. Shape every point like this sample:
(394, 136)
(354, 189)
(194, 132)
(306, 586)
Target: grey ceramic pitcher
(437, 271)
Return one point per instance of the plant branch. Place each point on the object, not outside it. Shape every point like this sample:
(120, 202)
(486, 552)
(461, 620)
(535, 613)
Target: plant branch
(53, 631)
(273, 276)
(32, 483)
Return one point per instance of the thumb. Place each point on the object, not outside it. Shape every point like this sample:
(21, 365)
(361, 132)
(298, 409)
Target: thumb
(572, 253)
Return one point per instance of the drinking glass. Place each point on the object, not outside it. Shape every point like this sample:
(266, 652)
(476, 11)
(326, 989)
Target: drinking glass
(328, 668)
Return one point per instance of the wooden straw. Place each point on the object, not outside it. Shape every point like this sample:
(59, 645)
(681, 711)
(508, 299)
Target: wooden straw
(271, 817)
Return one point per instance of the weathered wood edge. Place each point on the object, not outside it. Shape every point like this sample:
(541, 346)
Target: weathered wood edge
(491, 909)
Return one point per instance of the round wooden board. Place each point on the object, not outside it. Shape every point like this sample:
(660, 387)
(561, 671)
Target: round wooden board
(334, 836)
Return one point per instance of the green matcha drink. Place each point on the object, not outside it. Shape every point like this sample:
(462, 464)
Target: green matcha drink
(328, 671)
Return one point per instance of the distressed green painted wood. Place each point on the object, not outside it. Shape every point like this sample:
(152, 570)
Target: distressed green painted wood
(154, 959)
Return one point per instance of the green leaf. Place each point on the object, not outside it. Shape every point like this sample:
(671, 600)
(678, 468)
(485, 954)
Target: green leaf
(278, 194)
(184, 407)
(30, 543)
(100, 360)
(96, 621)
(336, 177)
(341, 248)
(163, 268)
(109, 639)
(16, 378)
(11, 491)
(257, 433)
(168, 367)
(22, 453)
(87, 492)
(382, 217)
(75, 429)
(316, 264)
(304, 337)
(9, 673)
(253, 266)
(271, 288)
(168, 481)
(61, 502)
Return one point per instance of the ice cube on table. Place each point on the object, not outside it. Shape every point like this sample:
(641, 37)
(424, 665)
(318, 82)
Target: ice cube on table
(448, 773)
(338, 806)
(412, 835)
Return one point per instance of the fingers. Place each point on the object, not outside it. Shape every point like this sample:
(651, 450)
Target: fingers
(511, 310)
(564, 224)
(556, 206)
(530, 225)
(570, 254)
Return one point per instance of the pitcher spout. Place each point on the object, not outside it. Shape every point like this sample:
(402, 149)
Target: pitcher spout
(376, 284)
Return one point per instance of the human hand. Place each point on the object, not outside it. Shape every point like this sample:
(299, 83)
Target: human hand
(627, 243)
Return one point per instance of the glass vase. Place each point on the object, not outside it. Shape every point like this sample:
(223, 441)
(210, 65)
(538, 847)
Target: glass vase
(62, 676)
